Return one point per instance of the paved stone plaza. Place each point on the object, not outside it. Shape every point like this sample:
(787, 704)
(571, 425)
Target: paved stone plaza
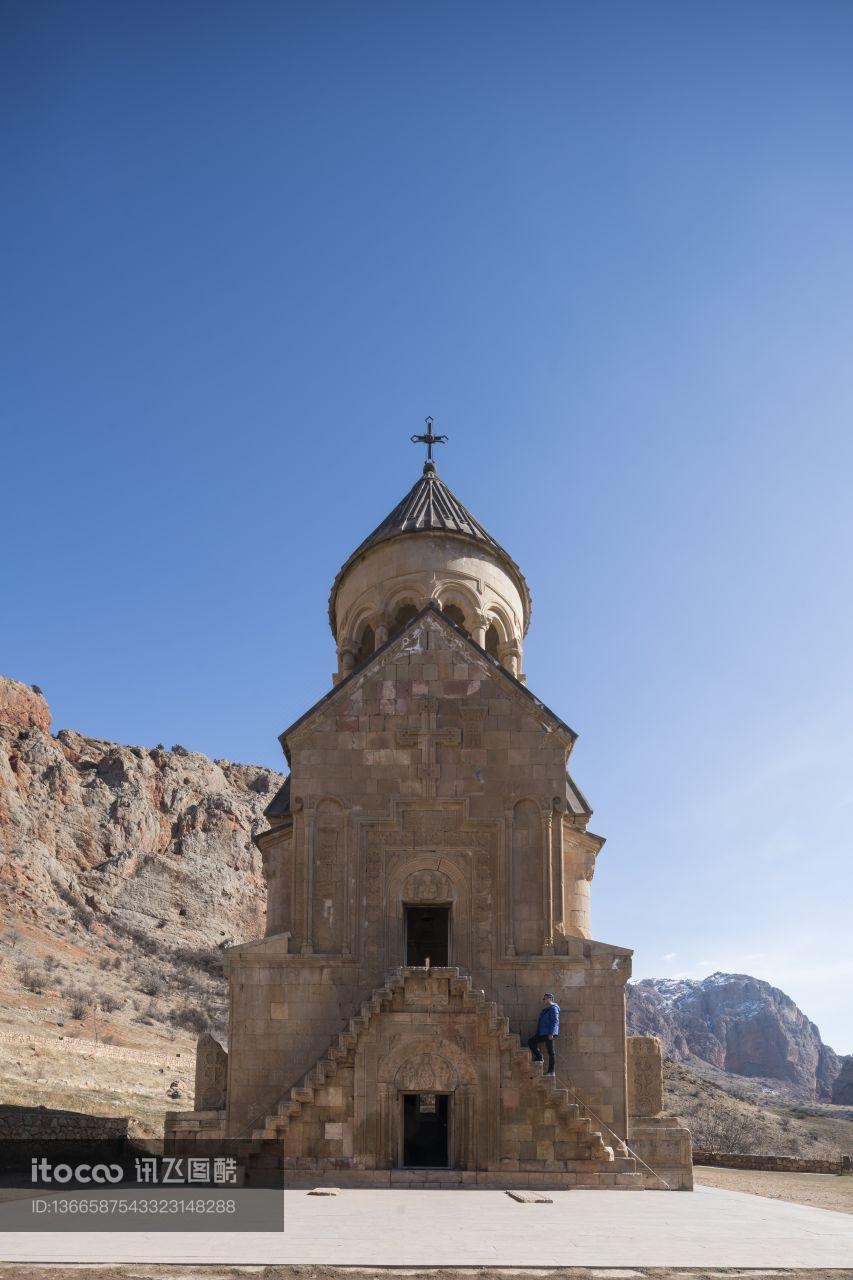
(708, 1229)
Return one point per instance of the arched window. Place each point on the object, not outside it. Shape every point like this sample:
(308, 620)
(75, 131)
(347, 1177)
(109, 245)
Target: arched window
(455, 614)
(366, 645)
(402, 618)
(492, 642)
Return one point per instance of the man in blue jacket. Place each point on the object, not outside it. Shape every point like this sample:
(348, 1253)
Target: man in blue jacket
(546, 1032)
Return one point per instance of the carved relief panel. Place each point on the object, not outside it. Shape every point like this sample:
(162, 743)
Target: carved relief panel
(427, 885)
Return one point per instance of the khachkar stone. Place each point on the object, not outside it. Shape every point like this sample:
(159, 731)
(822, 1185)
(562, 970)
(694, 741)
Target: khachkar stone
(428, 866)
(211, 1074)
(661, 1142)
(645, 1076)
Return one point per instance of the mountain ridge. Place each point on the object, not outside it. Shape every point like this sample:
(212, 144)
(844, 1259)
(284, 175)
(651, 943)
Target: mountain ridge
(738, 1024)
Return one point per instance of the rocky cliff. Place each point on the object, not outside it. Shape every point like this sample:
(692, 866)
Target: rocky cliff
(110, 846)
(842, 1086)
(738, 1024)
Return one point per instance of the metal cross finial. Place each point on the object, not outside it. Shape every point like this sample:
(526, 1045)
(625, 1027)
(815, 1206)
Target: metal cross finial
(429, 439)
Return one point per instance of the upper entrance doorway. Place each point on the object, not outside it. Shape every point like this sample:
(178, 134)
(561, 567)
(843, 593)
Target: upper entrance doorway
(427, 935)
(426, 1131)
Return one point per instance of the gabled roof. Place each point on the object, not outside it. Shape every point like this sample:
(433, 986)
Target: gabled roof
(433, 609)
(279, 806)
(431, 507)
(576, 802)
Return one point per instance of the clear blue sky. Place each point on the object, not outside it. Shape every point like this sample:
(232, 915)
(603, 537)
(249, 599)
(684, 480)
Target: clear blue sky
(247, 247)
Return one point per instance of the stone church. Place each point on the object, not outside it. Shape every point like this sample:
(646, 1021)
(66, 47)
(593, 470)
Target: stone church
(428, 868)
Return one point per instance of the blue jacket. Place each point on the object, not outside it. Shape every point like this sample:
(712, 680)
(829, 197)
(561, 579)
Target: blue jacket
(549, 1021)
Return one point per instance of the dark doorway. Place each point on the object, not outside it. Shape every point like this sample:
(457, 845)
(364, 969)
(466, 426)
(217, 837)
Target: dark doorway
(427, 935)
(425, 1130)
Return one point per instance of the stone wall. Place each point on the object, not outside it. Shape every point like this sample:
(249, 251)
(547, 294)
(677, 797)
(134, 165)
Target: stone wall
(39, 1123)
(183, 1128)
(285, 1012)
(773, 1164)
(97, 1049)
(589, 987)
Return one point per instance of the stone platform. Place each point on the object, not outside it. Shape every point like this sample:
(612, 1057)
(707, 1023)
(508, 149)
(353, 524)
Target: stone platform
(708, 1229)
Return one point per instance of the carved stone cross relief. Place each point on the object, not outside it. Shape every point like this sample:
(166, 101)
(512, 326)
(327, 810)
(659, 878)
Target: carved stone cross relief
(428, 738)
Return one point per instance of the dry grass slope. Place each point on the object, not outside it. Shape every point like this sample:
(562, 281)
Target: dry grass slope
(729, 1117)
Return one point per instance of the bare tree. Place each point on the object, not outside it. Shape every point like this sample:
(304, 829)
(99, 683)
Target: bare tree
(723, 1129)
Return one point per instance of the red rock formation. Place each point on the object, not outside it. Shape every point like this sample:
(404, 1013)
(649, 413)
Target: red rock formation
(22, 706)
(149, 840)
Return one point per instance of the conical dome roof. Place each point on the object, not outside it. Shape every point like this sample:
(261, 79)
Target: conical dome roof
(430, 507)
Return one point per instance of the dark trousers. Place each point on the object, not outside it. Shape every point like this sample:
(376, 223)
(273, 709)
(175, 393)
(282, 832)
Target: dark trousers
(533, 1045)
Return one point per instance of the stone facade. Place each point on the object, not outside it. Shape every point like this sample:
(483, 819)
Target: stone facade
(433, 1032)
(428, 791)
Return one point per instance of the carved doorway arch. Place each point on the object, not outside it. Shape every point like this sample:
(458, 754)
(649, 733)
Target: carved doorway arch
(429, 880)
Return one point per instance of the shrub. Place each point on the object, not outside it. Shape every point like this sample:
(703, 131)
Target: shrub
(78, 1010)
(209, 959)
(109, 1003)
(31, 979)
(50, 963)
(149, 1015)
(140, 940)
(86, 916)
(151, 987)
(190, 1018)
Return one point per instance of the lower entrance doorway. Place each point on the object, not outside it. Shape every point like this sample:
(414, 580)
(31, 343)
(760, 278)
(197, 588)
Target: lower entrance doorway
(426, 1130)
(427, 935)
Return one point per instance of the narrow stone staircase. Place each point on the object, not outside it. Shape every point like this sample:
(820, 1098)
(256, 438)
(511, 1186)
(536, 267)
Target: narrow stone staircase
(575, 1125)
